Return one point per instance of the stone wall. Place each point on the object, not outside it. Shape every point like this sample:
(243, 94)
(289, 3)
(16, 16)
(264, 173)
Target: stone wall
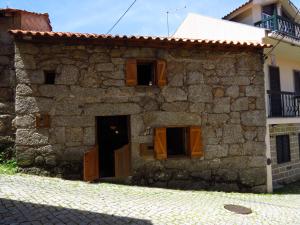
(220, 90)
(286, 172)
(7, 84)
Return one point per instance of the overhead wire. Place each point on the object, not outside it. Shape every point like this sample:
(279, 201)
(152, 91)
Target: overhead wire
(121, 17)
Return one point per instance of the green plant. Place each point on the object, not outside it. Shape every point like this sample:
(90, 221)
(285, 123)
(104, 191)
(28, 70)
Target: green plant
(8, 164)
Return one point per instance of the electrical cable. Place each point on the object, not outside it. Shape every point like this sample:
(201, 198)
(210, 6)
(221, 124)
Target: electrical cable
(121, 17)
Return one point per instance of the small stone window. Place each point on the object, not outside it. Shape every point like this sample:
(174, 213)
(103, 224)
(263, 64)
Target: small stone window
(176, 141)
(283, 149)
(145, 73)
(49, 76)
(42, 121)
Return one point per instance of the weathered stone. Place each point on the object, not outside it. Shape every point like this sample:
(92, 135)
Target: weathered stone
(253, 177)
(255, 91)
(257, 161)
(233, 91)
(175, 106)
(218, 119)
(218, 92)
(99, 58)
(253, 118)
(39, 160)
(74, 134)
(6, 94)
(200, 93)
(23, 89)
(221, 105)
(89, 135)
(240, 104)
(60, 135)
(254, 148)
(25, 158)
(216, 151)
(59, 91)
(69, 75)
(233, 134)
(174, 94)
(197, 107)
(154, 119)
(205, 175)
(105, 67)
(176, 80)
(26, 121)
(25, 62)
(195, 78)
(31, 137)
(112, 109)
(50, 160)
(113, 82)
(80, 121)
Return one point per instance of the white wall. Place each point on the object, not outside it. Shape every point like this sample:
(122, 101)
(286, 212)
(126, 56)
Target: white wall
(286, 67)
(201, 27)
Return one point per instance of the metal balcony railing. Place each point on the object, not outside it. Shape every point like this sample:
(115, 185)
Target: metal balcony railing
(283, 104)
(281, 25)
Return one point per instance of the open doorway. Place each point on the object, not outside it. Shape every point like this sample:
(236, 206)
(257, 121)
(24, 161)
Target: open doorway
(113, 141)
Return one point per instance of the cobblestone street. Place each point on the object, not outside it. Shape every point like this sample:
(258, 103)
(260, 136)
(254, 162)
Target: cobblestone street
(28, 199)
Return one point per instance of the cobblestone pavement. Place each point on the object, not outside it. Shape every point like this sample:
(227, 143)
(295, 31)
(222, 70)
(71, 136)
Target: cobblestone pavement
(28, 199)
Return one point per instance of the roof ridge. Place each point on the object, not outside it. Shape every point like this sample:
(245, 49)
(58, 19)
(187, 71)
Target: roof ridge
(236, 9)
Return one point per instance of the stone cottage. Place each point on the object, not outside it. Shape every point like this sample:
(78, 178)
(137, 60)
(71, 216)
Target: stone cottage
(157, 111)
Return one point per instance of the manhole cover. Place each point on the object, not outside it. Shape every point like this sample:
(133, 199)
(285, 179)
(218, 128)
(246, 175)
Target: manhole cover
(238, 209)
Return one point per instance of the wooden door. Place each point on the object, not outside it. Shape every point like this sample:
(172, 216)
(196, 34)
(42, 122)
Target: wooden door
(91, 164)
(122, 162)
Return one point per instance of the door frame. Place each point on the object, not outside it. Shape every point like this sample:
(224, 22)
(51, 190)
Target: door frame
(98, 137)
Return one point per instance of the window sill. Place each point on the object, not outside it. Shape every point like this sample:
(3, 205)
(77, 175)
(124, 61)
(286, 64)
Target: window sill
(178, 157)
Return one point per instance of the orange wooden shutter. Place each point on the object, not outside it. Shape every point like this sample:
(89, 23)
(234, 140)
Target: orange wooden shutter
(131, 72)
(195, 142)
(160, 143)
(91, 165)
(122, 162)
(161, 76)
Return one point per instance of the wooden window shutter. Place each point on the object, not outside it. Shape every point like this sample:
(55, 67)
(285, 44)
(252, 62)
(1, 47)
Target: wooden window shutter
(161, 74)
(160, 143)
(91, 164)
(195, 142)
(131, 72)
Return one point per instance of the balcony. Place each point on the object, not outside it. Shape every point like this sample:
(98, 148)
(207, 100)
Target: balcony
(283, 104)
(280, 25)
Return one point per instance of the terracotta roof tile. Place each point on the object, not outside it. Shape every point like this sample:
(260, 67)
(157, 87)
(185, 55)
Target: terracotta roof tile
(11, 10)
(246, 3)
(153, 39)
(20, 11)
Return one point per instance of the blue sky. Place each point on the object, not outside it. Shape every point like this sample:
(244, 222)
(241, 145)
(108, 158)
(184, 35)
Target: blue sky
(146, 17)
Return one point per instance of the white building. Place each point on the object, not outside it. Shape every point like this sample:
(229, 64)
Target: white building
(273, 22)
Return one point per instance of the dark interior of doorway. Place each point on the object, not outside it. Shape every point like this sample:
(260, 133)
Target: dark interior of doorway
(112, 134)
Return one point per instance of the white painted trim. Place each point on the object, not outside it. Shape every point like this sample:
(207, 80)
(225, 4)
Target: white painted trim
(281, 120)
(268, 156)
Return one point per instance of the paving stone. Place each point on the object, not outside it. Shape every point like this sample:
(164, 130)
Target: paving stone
(26, 199)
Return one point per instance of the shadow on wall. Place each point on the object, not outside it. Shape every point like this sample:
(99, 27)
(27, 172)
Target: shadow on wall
(16, 212)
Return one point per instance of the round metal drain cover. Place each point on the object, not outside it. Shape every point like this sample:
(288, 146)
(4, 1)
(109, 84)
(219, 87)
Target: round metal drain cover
(238, 209)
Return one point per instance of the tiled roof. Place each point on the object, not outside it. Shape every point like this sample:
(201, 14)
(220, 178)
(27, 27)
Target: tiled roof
(11, 10)
(21, 11)
(246, 3)
(131, 39)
